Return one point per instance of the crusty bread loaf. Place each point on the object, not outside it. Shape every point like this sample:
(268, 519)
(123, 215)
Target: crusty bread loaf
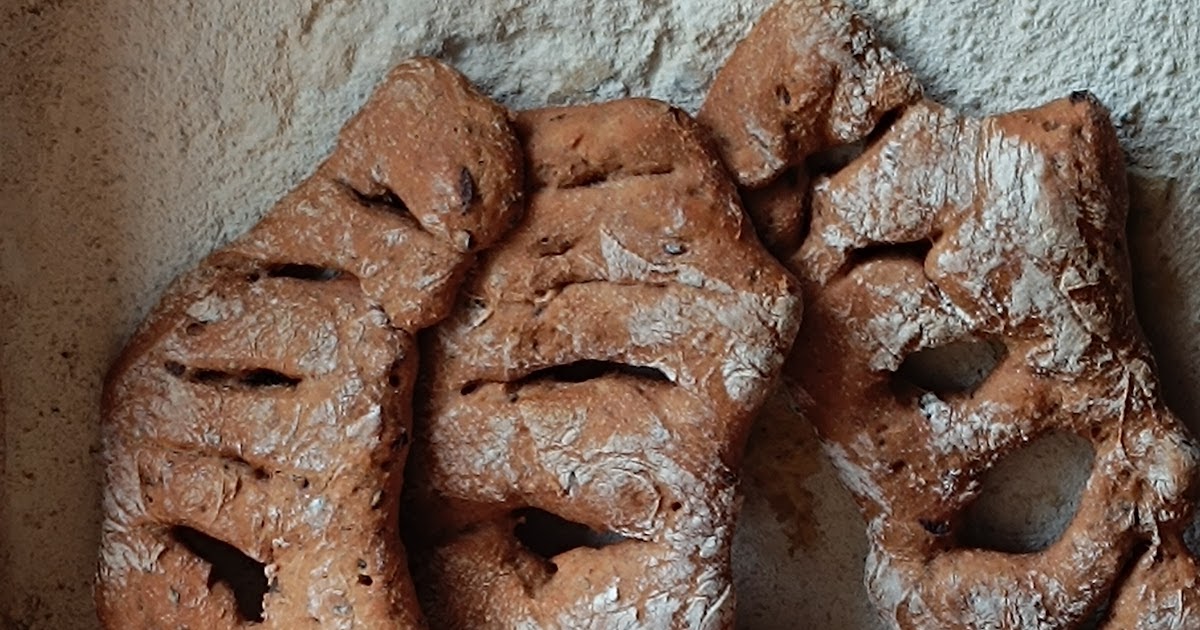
(590, 369)
(1017, 222)
(599, 373)
(256, 426)
(810, 76)
(578, 451)
(948, 234)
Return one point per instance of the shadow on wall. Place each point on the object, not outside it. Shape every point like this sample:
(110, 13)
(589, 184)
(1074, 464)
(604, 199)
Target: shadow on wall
(65, 218)
(1167, 313)
(1160, 287)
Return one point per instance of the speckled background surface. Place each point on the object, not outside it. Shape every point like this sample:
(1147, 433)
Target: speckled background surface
(134, 137)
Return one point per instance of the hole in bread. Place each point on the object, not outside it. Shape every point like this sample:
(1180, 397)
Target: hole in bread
(549, 535)
(833, 160)
(1191, 535)
(263, 377)
(245, 576)
(466, 187)
(783, 94)
(957, 367)
(1029, 497)
(674, 248)
(386, 198)
(556, 245)
(913, 250)
(255, 378)
(588, 177)
(301, 271)
(590, 369)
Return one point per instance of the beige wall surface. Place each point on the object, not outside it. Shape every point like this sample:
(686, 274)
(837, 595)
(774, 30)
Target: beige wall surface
(136, 136)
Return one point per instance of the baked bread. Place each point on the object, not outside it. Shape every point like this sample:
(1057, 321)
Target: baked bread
(585, 407)
(1007, 231)
(1002, 235)
(810, 76)
(256, 427)
(808, 82)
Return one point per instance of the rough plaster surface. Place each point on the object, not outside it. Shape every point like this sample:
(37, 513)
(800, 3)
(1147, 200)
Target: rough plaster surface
(134, 137)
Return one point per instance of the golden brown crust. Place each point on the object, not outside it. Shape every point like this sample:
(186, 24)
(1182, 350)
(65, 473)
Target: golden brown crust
(261, 413)
(1007, 230)
(257, 425)
(449, 160)
(810, 76)
(602, 370)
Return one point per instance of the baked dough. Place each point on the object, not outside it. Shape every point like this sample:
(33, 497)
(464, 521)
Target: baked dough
(809, 79)
(1007, 230)
(586, 406)
(256, 427)
(1005, 234)
(592, 389)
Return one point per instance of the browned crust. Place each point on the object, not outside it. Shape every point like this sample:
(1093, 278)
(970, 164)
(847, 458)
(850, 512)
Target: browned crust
(266, 402)
(1022, 220)
(635, 256)
(809, 76)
